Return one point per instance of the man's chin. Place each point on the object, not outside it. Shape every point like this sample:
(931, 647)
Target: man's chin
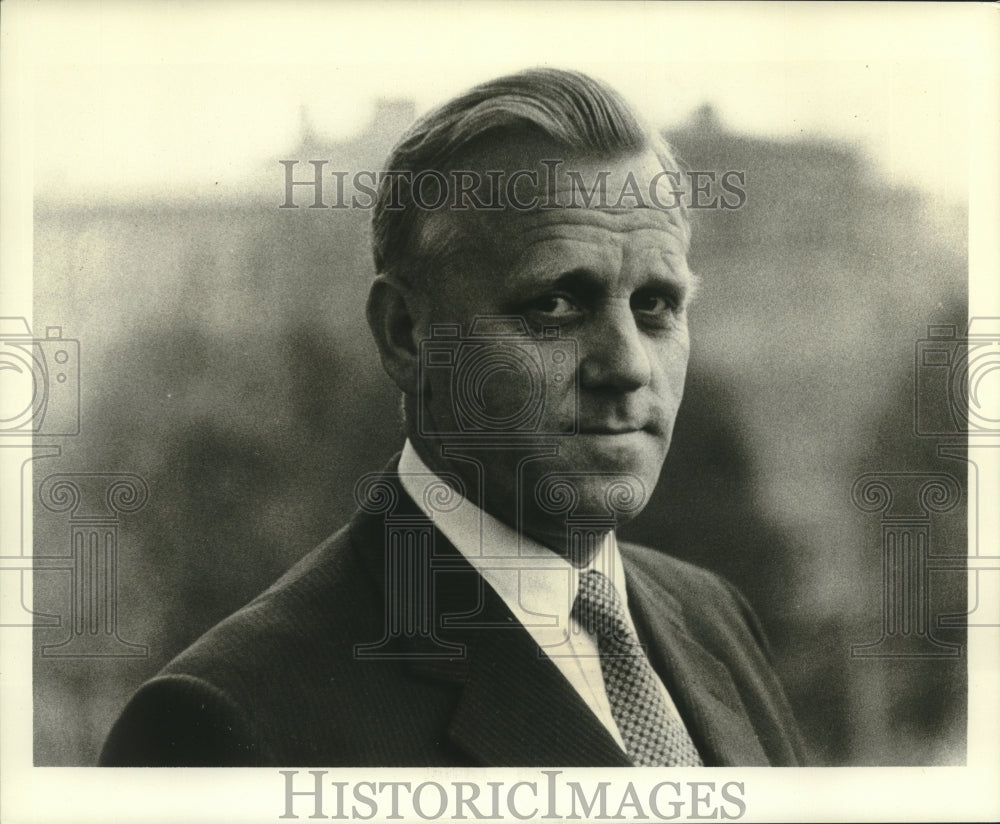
(579, 533)
(560, 503)
(636, 455)
(627, 452)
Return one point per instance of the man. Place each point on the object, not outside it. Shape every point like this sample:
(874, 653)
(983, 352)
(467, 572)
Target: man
(531, 304)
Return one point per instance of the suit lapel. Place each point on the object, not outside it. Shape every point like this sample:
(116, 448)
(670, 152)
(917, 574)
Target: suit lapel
(699, 683)
(515, 708)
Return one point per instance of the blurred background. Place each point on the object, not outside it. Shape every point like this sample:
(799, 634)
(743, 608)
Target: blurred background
(224, 356)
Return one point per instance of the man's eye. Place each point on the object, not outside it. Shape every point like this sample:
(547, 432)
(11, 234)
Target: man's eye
(652, 304)
(555, 306)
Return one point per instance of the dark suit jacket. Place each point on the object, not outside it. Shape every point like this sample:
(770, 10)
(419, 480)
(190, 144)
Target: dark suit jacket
(279, 683)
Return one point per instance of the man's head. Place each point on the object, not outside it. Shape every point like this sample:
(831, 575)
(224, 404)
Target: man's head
(535, 317)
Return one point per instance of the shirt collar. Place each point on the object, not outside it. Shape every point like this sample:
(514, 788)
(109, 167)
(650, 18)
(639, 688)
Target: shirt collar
(538, 585)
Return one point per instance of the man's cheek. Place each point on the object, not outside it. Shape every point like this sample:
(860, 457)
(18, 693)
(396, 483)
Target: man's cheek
(489, 397)
(506, 397)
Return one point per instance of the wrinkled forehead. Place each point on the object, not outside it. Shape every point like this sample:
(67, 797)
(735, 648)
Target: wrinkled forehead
(611, 242)
(576, 221)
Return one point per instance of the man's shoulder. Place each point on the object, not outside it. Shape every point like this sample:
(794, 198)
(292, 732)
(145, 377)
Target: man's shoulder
(257, 687)
(680, 578)
(701, 599)
(237, 690)
(296, 617)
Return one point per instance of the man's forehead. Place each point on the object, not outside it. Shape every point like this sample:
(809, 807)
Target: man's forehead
(576, 220)
(516, 232)
(595, 237)
(526, 245)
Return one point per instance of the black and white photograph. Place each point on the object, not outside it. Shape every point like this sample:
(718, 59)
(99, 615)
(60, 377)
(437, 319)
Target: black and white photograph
(499, 411)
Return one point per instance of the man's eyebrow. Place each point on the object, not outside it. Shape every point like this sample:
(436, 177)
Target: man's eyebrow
(581, 280)
(587, 282)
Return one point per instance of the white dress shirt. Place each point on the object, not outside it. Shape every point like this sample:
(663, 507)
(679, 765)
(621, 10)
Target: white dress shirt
(537, 585)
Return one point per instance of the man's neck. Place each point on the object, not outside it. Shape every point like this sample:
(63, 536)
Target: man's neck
(554, 538)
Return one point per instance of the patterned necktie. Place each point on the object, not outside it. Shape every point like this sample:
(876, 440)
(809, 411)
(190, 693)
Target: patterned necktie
(653, 735)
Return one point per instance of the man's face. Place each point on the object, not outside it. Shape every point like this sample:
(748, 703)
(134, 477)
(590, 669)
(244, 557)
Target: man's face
(612, 282)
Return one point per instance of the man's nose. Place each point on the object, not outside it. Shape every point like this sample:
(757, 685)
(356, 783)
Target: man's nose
(614, 355)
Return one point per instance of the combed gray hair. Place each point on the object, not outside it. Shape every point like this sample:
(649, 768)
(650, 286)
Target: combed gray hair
(574, 111)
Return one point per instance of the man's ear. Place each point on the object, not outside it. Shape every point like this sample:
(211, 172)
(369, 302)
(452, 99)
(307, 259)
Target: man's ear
(389, 312)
